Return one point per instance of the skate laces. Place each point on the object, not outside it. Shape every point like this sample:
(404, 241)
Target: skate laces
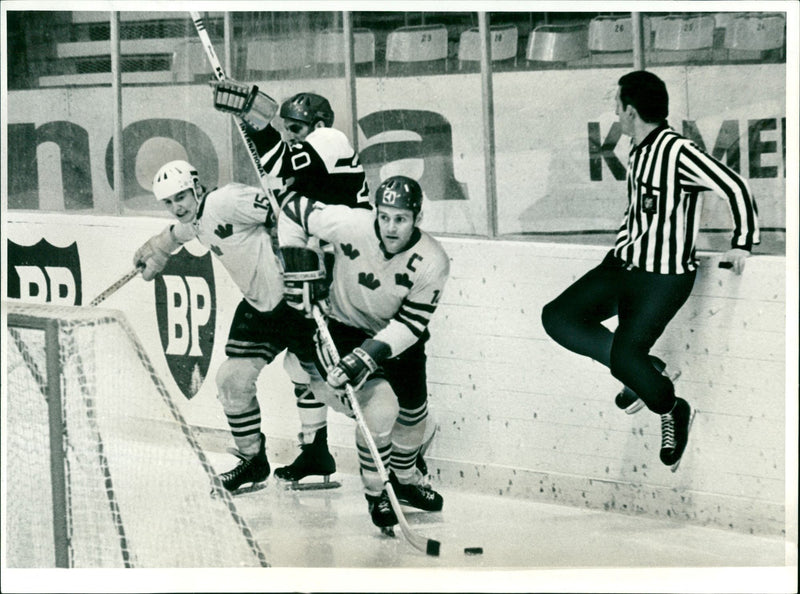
(425, 490)
(667, 431)
(244, 465)
(384, 505)
(240, 468)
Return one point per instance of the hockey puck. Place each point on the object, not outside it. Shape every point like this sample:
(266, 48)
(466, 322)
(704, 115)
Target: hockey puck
(473, 551)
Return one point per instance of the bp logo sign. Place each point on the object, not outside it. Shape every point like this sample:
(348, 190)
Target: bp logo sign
(44, 273)
(186, 309)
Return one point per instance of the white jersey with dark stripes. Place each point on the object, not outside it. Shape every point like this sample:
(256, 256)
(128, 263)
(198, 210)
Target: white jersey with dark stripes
(390, 296)
(232, 223)
(665, 178)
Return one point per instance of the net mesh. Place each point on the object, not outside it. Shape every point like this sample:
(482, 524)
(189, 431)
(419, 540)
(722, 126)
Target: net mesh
(139, 490)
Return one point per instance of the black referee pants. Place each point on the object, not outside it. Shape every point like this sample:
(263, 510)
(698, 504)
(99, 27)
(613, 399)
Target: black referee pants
(644, 302)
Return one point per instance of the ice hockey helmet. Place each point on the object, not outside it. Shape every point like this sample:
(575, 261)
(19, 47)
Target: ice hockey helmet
(174, 177)
(308, 108)
(399, 191)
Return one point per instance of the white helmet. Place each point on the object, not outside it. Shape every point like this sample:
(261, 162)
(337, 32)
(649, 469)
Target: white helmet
(174, 177)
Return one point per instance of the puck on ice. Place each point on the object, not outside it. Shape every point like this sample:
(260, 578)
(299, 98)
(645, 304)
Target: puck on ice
(473, 551)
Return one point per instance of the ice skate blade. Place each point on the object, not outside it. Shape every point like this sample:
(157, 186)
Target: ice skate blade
(388, 531)
(253, 488)
(675, 466)
(635, 407)
(297, 486)
(326, 483)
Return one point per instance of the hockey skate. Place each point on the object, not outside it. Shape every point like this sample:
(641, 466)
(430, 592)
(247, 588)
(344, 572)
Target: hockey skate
(419, 496)
(629, 401)
(253, 470)
(314, 460)
(381, 512)
(675, 426)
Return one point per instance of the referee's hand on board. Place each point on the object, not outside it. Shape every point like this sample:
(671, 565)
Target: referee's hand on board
(734, 259)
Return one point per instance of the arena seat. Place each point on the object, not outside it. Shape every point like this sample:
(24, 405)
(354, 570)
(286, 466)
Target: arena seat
(505, 39)
(611, 39)
(558, 44)
(151, 43)
(750, 35)
(680, 39)
(417, 49)
(287, 55)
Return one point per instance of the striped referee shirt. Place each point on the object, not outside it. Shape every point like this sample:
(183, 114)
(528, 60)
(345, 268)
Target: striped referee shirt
(666, 173)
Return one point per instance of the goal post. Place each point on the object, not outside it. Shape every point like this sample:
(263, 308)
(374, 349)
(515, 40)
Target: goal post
(100, 467)
(51, 392)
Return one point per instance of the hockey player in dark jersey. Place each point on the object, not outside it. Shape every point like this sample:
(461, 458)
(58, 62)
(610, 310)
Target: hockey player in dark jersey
(388, 278)
(318, 161)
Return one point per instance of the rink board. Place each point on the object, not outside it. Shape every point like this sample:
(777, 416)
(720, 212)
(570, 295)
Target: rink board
(519, 416)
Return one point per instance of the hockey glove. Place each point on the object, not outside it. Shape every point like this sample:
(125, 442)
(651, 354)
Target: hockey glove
(356, 366)
(304, 278)
(254, 107)
(155, 253)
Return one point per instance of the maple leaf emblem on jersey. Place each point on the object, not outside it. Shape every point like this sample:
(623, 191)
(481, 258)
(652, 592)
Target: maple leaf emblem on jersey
(349, 251)
(403, 280)
(223, 231)
(367, 279)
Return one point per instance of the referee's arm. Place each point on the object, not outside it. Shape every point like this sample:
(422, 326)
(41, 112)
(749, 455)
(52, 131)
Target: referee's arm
(699, 171)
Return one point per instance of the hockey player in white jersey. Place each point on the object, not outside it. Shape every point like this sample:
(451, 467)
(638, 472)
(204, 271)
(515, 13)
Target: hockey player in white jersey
(388, 278)
(236, 223)
(319, 162)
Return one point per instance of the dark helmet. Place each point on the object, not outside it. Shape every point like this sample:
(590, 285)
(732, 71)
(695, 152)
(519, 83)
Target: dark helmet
(308, 108)
(401, 192)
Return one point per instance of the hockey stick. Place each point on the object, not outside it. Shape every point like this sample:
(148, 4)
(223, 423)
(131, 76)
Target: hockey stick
(426, 545)
(216, 66)
(116, 286)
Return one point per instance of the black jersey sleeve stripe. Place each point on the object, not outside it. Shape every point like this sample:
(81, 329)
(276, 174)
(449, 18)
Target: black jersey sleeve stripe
(421, 306)
(351, 161)
(734, 188)
(411, 317)
(415, 330)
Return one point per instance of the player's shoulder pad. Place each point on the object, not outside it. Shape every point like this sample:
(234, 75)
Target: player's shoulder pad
(230, 192)
(331, 144)
(436, 252)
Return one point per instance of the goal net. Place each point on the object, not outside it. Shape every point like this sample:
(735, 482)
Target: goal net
(100, 468)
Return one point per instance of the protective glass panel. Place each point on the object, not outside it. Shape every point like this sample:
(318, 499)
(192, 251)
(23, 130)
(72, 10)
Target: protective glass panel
(412, 102)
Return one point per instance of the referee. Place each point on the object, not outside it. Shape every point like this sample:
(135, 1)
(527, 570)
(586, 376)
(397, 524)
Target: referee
(648, 275)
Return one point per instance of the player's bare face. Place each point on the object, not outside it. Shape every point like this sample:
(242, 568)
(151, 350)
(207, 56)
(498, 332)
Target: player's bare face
(295, 132)
(395, 226)
(182, 206)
